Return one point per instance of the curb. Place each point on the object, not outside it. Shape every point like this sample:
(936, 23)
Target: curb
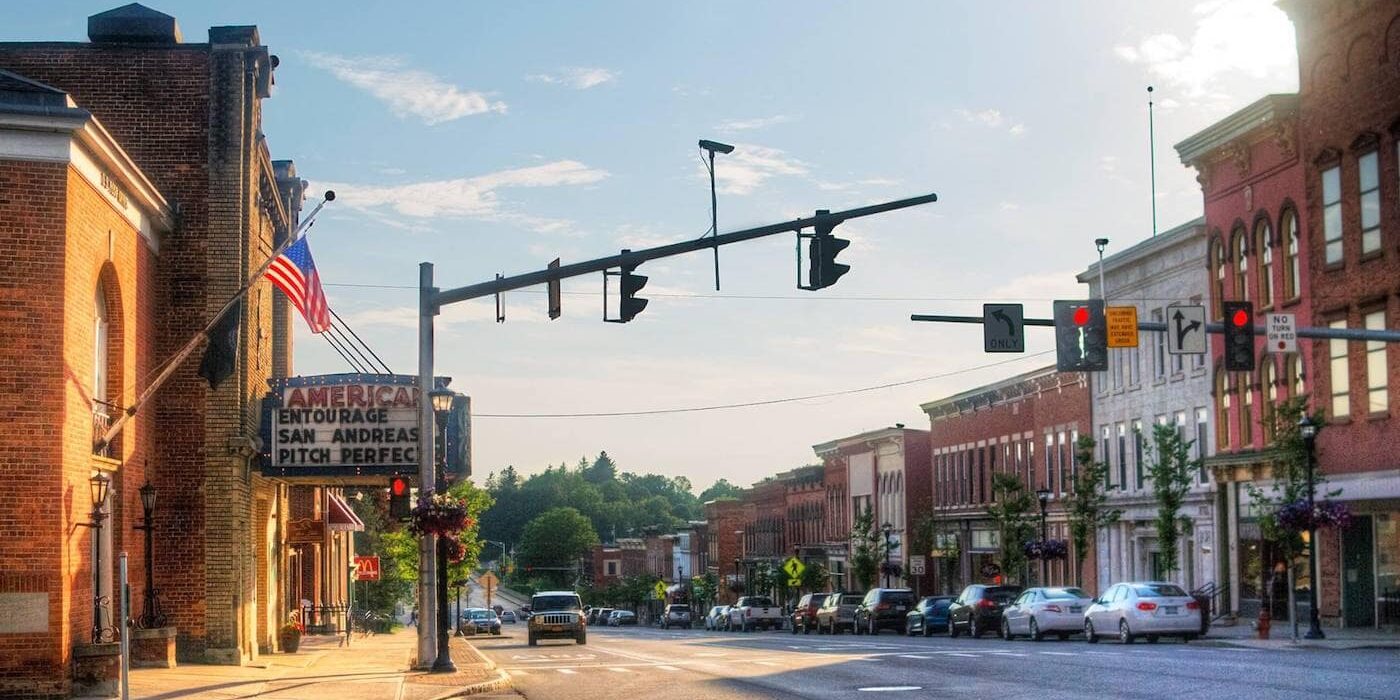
(1244, 644)
(500, 682)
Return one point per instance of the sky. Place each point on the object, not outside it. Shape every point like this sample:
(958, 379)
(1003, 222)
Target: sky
(492, 137)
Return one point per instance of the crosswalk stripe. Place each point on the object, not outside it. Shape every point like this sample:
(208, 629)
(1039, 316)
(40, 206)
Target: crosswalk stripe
(668, 668)
(914, 656)
(1009, 653)
(619, 670)
(1055, 653)
(568, 671)
(965, 656)
(520, 673)
(766, 663)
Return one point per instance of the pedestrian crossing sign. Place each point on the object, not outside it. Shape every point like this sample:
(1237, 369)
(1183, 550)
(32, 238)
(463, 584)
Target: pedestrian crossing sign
(660, 590)
(794, 583)
(794, 568)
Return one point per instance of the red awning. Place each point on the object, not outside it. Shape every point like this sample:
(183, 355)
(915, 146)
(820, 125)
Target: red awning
(341, 517)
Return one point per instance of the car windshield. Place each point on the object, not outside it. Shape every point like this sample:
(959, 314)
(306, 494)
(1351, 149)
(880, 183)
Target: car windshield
(818, 598)
(1158, 590)
(481, 614)
(545, 603)
(852, 599)
(937, 602)
(899, 596)
(680, 608)
(1064, 594)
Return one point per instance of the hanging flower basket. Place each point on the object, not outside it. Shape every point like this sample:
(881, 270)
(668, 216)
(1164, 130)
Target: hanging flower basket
(1295, 517)
(1046, 549)
(891, 569)
(439, 514)
(456, 551)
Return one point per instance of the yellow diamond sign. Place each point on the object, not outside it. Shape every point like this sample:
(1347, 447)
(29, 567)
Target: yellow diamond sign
(794, 568)
(660, 590)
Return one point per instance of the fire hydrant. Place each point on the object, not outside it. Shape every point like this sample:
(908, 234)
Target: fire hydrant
(1265, 621)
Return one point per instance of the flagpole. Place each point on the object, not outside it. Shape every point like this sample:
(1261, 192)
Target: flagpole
(193, 343)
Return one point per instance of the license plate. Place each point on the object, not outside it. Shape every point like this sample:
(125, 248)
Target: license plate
(556, 628)
(899, 608)
(1170, 609)
(1076, 608)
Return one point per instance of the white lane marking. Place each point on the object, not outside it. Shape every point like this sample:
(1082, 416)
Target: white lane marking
(1055, 653)
(1008, 653)
(965, 656)
(712, 654)
(766, 663)
(668, 668)
(568, 671)
(1105, 653)
(619, 670)
(890, 688)
(914, 656)
(520, 672)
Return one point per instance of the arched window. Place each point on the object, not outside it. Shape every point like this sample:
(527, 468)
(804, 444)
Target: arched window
(1218, 259)
(1246, 412)
(1288, 231)
(1241, 251)
(100, 327)
(1222, 408)
(1268, 382)
(1293, 377)
(1266, 263)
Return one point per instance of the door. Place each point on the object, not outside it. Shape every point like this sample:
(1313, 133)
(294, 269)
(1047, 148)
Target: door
(1358, 573)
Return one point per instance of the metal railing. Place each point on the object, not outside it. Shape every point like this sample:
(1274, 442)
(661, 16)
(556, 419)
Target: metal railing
(325, 619)
(1212, 599)
(102, 413)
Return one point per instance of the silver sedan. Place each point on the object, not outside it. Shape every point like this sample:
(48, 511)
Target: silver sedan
(1041, 611)
(1150, 609)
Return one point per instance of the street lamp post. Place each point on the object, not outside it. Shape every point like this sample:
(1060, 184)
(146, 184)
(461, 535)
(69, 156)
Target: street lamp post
(151, 616)
(736, 575)
(1101, 243)
(1044, 496)
(458, 627)
(442, 405)
(887, 528)
(1308, 430)
(97, 487)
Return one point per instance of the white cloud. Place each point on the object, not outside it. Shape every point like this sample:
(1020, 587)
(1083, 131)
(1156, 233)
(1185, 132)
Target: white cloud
(856, 184)
(1249, 38)
(632, 236)
(750, 165)
(576, 77)
(1009, 206)
(732, 125)
(992, 119)
(1042, 287)
(475, 197)
(408, 92)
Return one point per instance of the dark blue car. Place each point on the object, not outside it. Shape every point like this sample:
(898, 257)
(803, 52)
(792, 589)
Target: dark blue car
(929, 616)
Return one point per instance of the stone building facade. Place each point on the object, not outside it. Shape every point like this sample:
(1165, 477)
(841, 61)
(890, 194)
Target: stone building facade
(1144, 387)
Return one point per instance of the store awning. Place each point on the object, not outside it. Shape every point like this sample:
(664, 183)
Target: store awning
(341, 518)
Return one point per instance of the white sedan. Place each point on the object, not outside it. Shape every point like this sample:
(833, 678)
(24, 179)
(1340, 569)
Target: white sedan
(1150, 609)
(1041, 611)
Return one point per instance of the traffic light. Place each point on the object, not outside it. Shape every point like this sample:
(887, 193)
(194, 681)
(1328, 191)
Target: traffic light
(1081, 336)
(821, 255)
(1239, 336)
(631, 304)
(399, 502)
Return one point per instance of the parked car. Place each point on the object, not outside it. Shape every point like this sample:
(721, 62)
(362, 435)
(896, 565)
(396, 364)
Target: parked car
(883, 609)
(1150, 609)
(599, 616)
(508, 617)
(752, 612)
(1041, 611)
(484, 619)
(978, 609)
(929, 616)
(717, 618)
(676, 615)
(838, 612)
(557, 615)
(618, 618)
(804, 614)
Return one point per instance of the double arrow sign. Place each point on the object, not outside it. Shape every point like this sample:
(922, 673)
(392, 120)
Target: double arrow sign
(1003, 328)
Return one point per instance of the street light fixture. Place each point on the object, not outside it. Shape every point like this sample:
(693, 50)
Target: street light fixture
(712, 147)
(151, 616)
(98, 487)
(1044, 496)
(442, 406)
(1101, 243)
(887, 529)
(1308, 430)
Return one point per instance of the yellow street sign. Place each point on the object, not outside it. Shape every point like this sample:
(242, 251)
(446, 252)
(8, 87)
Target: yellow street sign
(488, 580)
(794, 583)
(660, 590)
(794, 567)
(1122, 326)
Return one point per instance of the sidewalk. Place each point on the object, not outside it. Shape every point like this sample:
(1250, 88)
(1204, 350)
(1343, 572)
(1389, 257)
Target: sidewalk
(373, 667)
(1244, 635)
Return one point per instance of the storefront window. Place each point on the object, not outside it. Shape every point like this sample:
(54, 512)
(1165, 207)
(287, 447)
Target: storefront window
(1388, 567)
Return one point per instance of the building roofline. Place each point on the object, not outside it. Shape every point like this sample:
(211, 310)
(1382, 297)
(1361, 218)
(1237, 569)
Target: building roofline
(1261, 111)
(1176, 235)
(825, 448)
(937, 404)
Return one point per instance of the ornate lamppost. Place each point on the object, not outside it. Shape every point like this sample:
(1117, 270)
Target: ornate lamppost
(442, 406)
(98, 487)
(1308, 430)
(151, 617)
(1044, 496)
(887, 529)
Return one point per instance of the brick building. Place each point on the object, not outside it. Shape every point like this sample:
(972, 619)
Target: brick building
(1025, 426)
(1251, 176)
(1144, 387)
(724, 541)
(887, 473)
(152, 199)
(804, 502)
(1349, 141)
(836, 515)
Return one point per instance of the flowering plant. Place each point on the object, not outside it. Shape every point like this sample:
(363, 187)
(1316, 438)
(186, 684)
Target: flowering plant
(439, 514)
(1295, 516)
(1046, 549)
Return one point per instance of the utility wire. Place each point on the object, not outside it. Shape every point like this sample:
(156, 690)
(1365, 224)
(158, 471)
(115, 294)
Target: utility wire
(767, 402)
(366, 346)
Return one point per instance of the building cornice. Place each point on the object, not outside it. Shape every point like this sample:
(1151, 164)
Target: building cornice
(1268, 108)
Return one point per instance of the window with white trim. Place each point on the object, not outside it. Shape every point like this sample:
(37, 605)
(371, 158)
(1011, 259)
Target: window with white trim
(1292, 269)
(1332, 214)
(1138, 439)
(1266, 263)
(1377, 380)
(1202, 420)
(1368, 173)
(1241, 265)
(1337, 363)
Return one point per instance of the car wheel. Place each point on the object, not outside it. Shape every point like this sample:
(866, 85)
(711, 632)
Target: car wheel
(533, 641)
(1089, 635)
(952, 629)
(972, 629)
(909, 628)
(582, 638)
(1035, 631)
(870, 626)
(1006, 629)
(806, 629)
(1124, 635)
(926, 629)
(794, 628)
(1152, 639)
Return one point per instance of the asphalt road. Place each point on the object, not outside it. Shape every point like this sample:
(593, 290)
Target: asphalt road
(652, 663)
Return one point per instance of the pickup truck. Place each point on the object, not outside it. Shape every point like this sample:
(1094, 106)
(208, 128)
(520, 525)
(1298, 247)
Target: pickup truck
(755, 611)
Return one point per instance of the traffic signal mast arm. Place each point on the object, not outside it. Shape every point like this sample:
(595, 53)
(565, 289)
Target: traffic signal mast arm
(1387, 336)
(442, 298)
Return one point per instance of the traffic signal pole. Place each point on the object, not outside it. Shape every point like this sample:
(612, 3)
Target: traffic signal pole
(430, 303)
(1385, 336)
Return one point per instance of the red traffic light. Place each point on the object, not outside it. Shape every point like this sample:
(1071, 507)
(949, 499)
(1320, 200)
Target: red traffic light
(1240, 318)
(1081, 316)
(398, 487)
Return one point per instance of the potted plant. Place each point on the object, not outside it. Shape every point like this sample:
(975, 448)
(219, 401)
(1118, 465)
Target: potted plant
(290, 635)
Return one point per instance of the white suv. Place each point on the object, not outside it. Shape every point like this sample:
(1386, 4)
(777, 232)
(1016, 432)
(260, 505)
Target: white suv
(557, 615)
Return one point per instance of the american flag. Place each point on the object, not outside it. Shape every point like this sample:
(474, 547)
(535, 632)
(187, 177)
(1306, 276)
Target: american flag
(295, 274)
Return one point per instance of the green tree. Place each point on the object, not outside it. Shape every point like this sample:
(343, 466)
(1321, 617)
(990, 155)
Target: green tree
(938, 540)
(869, 549)
(1170, 470)
(704, 591)
(815, 577)
(557, 538)
(602, 470)
(1011, 511)
(1087, 512)
(478, 501)
(1290, 474)
(720, 489)
(765, 580)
